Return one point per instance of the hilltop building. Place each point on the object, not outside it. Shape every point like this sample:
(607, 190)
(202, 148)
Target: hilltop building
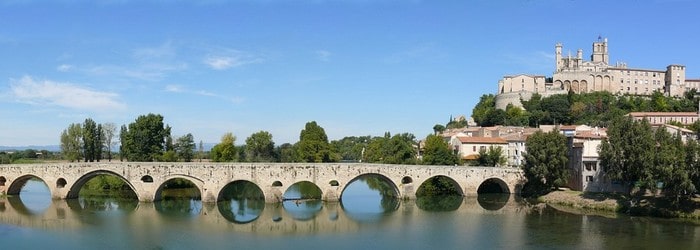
(573, 73)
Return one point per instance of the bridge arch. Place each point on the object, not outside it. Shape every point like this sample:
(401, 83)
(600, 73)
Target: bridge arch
(159, 191)
(383, 178)
(16, 185)
(493, 185)
(223, 195)
(74, 190)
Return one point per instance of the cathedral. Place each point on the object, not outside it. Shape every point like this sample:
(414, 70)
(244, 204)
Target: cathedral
(573, 73)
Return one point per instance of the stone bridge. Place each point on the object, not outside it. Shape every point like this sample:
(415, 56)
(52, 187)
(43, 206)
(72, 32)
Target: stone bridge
(147, 179)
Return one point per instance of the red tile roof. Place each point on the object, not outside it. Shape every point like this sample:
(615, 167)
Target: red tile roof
(483, 140)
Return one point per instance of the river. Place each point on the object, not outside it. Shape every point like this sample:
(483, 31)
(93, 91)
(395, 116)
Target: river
(363, 220)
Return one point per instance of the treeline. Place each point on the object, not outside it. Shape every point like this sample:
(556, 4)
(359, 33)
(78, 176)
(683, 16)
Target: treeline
(149, 139)
(653, 160)
(27, 156)
(594, 109)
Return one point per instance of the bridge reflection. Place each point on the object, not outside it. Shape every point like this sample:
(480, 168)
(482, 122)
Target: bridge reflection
(292, 217)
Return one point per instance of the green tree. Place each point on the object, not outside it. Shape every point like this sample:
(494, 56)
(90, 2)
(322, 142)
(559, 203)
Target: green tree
(628, 153)
(492, 157)
(71, 142)
(225, 151)
(259, 147)
(351, 148)
(438, 128)
(546, 160)
(397, 149)
(286, 153)
(144, 139)
(92, 140)
(313, 145)
(185, 147)
(108, 130)
(482, 110)
(438, 152)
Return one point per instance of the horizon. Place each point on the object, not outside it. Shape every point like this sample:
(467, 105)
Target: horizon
(357, 68)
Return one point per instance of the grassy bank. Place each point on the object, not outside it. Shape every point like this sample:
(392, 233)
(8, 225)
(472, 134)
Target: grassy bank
(607, 203)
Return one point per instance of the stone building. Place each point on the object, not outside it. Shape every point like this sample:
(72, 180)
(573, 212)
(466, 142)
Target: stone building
(574, 73)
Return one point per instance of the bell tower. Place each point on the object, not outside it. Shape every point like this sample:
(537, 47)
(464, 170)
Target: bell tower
(600, 51)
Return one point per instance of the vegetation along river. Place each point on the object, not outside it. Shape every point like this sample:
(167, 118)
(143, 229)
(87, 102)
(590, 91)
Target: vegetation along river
(366, 218)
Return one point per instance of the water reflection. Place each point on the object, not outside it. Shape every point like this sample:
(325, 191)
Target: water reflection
(302, 209)
(439, 203)
(369, 198)
(241, 210)
(179, 208)
(493, 201)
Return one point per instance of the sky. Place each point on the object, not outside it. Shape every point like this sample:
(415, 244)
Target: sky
(356, 67)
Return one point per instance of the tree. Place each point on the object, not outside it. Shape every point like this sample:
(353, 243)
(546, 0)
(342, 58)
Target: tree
(627, 154)
(313, 145)
(438, 128)
(92, 140)
(546, 160)
(286, 153)
(259, 147)
(397, 149)
(492, 157)
(487, 103)
(108, 130)
(351, 148)
(71, 142)
(201, 150)
(144, 139)
(438, 152)
(185, 147)
(225, 151)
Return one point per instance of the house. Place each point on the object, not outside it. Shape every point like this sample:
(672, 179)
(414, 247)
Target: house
(468, 147)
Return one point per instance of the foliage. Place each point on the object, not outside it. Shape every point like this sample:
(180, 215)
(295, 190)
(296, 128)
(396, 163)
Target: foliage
(484, 109)
(438, 152)
(71, 142)
(493, 157)
(628, 153)
(144, 139)
(648, 160)
(259, 147)
(92, 140)
(351, 148)
(438, 128)
(184, 147)
(596, 109)
(286, 153)
(397, 149)
(225, 151)
(108, 130)
(546, 159)
(313, 145)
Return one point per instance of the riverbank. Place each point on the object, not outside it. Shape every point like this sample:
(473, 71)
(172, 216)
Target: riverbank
(612, 203)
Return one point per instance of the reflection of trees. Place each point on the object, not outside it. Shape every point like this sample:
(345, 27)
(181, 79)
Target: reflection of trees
(106, 185)
(493, 201)
(390, 201)
(178, 207)
(97, 203)
(246, 210)
(439, 203)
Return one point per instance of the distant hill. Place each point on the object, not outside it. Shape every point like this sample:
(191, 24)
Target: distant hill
(52, 148)
(57, 148)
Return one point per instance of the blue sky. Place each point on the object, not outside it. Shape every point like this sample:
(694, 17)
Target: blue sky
(356, 67)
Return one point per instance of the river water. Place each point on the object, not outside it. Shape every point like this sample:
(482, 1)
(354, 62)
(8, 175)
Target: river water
(363, 220)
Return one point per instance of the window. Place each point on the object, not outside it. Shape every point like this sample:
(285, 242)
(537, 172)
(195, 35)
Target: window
(589, 178)
(474, 148)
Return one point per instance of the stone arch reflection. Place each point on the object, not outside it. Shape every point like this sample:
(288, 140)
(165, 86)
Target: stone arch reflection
(241, 202)
(493, 194)
(368, 196)
(302, 200)
(439, 193)
(31, 194)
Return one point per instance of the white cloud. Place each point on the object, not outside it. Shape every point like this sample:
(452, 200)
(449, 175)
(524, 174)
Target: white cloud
(174, 88)
(323, 55)
(50, 93)
(166, 50)
(64, 67)
(228, 58)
